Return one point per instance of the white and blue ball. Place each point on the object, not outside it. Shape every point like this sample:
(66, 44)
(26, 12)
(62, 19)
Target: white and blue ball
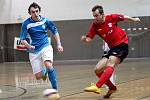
(51, 94)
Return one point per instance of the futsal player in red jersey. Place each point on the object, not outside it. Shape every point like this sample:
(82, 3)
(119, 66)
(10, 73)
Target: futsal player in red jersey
(105, 26)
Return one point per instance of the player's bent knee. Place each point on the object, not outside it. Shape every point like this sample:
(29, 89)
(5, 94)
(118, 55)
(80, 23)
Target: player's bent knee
(98, 70)
(48, 65)
(38, 76)
(112, 65)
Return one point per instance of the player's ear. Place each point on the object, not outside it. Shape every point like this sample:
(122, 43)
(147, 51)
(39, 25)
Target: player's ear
(29, 12)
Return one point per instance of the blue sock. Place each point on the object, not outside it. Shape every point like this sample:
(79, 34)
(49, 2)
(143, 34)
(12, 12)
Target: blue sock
(52, 77)
(44, 71)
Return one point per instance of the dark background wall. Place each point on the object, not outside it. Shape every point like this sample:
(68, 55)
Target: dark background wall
(70, 32)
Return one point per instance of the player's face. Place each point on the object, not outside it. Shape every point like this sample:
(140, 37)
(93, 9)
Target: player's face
(98, 18)
(34, 12)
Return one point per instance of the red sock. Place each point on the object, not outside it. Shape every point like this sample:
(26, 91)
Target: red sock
(110, 85)
(99, 74)
(105, 76)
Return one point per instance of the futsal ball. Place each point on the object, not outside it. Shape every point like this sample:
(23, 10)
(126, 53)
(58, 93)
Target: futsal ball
(51, 94)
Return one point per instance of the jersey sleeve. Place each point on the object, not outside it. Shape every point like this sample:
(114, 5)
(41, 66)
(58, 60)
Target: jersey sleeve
(23, 33)
(118, 17)
(51, 26)
(92, 32)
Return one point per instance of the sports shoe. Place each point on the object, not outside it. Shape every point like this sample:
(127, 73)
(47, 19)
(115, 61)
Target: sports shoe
(92, 88)
(44, 74)
(110, 92)
(44, 77)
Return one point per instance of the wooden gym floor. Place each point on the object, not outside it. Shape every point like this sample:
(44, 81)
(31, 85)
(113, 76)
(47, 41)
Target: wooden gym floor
(18, 83)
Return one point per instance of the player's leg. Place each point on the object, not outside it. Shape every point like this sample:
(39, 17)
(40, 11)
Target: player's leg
(44, 73)
(103, 79)
(103, 75)
(36, 63)
(120, 52)
(112, 89)
(113, 77)
(51, 74)
(47, 57)
(100, 68)
(110, 85)
(98, 71)
(109, 69)
(106, 55)
(117, 54)
(100, 65)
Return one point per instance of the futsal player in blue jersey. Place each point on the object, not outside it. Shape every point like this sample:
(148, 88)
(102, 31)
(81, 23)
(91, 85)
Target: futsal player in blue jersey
(40, 49)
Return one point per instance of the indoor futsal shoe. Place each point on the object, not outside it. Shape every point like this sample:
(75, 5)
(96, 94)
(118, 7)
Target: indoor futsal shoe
(44, 77)
(93, 88)
(110, 92)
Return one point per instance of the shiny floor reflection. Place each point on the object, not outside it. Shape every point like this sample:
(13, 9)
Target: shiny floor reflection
(18, 83)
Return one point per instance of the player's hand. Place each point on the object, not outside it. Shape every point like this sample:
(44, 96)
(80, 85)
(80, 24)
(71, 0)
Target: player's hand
(83, 38)
(31, 47)
(137, 19)
(60, 49)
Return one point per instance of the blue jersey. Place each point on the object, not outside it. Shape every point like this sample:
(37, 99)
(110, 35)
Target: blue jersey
(37, 30)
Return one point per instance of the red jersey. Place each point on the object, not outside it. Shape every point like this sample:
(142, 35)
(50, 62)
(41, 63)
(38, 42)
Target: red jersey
(109, 31)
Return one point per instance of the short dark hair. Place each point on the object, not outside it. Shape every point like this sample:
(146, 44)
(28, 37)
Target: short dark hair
(100, 9)
(35, 5)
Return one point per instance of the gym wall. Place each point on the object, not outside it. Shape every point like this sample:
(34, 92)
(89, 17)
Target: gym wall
(70, 32)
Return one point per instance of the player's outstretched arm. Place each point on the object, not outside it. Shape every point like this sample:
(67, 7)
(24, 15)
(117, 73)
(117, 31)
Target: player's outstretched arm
(59, 46)
(136, 19)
